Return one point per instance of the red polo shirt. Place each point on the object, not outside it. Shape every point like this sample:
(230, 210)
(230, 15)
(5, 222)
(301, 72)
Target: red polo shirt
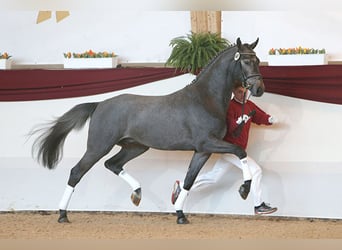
(234, 112)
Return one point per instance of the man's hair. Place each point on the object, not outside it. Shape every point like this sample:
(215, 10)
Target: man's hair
(237, 84)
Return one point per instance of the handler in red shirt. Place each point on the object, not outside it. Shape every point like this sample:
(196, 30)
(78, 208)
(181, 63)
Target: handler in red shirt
(238, 126)
(252, 113)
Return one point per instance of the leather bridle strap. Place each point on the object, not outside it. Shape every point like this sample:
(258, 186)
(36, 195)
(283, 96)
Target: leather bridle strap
(237, 57)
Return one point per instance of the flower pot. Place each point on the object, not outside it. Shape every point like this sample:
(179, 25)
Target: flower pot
(297, 59)
(89, 63)
(5, 63)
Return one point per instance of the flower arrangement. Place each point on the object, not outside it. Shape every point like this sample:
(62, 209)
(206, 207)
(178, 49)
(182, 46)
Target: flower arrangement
(90, 54)
(295, 51)
(4, 55)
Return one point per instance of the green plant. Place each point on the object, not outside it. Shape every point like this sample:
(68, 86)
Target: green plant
(192, 52)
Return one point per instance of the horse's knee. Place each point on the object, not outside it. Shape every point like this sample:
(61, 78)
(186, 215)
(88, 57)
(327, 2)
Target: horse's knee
(187, 186)
(188, 182)
(241, 153)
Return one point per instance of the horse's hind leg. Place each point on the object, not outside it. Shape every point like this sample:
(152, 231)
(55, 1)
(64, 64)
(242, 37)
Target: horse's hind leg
(196, 164)
(76, 173)
(115, 164)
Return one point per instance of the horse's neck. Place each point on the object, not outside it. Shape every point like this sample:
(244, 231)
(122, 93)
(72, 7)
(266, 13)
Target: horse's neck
(214, 87)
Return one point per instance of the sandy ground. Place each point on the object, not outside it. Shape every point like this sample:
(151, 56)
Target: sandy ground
(105, 225)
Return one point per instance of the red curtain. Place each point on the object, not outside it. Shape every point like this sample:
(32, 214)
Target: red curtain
(39, 84)
(321, 83)
(318, 83)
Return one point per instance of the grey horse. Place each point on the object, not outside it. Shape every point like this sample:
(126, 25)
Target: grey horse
(192, 118)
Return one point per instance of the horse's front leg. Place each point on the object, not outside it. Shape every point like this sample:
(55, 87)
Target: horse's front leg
(219, 146)
(196, 164)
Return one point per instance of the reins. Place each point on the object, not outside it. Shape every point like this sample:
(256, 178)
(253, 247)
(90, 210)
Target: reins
(244, 100)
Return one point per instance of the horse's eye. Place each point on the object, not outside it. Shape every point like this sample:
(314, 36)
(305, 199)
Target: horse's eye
(247, 61)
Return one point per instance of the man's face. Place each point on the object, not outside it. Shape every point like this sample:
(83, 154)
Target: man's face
(238, 94)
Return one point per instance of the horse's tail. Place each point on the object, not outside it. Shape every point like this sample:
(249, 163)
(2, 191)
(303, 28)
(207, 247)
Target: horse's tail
(50, 143)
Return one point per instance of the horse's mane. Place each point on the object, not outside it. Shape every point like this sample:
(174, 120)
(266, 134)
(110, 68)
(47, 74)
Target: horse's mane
(212, 61)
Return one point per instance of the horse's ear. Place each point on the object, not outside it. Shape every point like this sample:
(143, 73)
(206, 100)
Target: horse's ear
(253, 45)
(238, 42)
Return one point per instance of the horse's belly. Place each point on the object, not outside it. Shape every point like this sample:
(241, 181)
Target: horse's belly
(165, 139)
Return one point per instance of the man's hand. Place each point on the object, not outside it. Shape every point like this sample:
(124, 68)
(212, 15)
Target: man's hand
(272, 120)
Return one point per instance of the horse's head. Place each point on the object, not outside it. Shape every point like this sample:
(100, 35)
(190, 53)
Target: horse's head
(249, 67)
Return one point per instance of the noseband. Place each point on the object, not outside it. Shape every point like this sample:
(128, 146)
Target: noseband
(245, 78)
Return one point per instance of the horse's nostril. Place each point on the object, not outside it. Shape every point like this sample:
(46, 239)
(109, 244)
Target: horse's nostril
(260, 91)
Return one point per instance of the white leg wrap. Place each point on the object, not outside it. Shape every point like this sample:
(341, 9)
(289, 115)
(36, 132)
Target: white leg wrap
(130, 180)
(66, 197)
(181, 199)
(245, 170)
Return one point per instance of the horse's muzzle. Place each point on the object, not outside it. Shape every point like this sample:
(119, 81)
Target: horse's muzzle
(258, 88)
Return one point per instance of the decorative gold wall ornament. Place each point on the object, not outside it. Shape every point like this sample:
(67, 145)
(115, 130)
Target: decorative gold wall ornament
(44, 15)
(60, 15)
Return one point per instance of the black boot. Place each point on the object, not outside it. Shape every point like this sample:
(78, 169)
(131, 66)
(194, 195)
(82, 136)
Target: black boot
(244, 189)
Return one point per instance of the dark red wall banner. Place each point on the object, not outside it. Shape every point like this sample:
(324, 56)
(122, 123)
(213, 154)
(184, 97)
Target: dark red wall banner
(321, 83)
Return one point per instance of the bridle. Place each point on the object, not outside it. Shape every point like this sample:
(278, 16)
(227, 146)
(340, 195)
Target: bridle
(245, 83)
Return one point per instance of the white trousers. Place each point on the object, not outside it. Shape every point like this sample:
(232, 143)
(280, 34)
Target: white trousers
(222, 166)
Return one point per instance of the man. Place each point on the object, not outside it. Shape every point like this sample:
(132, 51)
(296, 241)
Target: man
(238, 126)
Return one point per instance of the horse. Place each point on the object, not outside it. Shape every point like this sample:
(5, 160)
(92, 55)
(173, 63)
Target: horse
(191, 119)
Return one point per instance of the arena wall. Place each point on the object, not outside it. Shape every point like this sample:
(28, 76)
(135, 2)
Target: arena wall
(300, 156)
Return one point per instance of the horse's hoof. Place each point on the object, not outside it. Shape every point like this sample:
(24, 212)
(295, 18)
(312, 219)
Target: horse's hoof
(244, 189)
(63, 220)
(136, 196)
(182, 220)
(63, 216)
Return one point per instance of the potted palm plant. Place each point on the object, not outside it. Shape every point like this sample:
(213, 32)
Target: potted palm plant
(192, 52)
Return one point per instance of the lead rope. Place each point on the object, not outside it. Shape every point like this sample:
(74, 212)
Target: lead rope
(238, 129)
(243, 101)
